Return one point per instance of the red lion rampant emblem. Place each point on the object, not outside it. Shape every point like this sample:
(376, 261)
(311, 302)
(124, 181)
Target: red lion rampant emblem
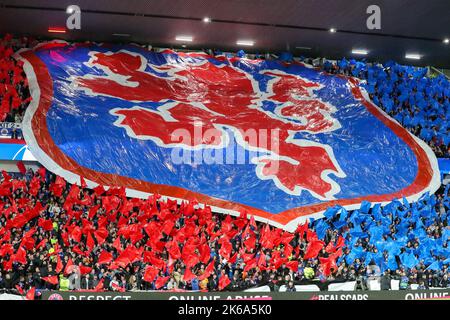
(194, 91)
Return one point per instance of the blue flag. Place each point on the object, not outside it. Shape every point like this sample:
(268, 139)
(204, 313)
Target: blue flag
(343, 214)
(409, 260)
(435, 266)
(365, 206)
(392, 263)
(330, 212)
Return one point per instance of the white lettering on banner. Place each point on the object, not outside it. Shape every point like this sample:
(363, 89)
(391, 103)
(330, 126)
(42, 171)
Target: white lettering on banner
(99, 297)
(248, 297)
(194, 298)
(426, 295)
(10, 125)
(237, 297)
(343, 297)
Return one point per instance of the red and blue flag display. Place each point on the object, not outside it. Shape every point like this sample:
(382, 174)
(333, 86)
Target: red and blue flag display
(282, 141)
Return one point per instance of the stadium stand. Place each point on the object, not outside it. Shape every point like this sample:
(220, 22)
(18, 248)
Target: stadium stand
(54, 235)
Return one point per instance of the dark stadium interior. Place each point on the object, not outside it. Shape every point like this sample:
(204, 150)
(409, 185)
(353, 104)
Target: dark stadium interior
(407, 26)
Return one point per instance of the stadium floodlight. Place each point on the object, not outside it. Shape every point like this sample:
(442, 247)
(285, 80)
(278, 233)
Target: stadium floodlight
(413, 56)
(333, 30)
(206, 20)
(56, 30)
(446, 41)
(360, 51)
(248, 43)
(184, 38)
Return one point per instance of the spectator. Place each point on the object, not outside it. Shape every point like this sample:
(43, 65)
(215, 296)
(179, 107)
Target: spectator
(291, 287)
(385, 281)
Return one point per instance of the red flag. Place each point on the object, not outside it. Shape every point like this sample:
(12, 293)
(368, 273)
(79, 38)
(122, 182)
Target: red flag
(262, 260)
(117, 245)
(225, 249)
(31, 293)
(330, 248)
(6, 176)
(292, 265)
(252, 222)
(150, 273)
(21, 167)
(21, 256)
(224, 281)
(313, 249)
(188, 275)
(209, 269)
(191, 260)
(105, 257)
(250, 264)
(340, 243)
(73, 193)
(250, 243)
(328, 264)
(69, 266)
(83, 183)
(19, 288)
(47, 225)
(35, 185)
(60, 181)
(117, 287)
(85, 270)
(233, 258)
(41, 244)
(301, 229)
(311, 236)
(51, 279)
(41, 172)
(174, 251)
(168, 226)
(99, 190)
(59, 264)
(99, 286)
(76, 234)
(205, 253)
(100, 235)
(161, 281)
(90, 243)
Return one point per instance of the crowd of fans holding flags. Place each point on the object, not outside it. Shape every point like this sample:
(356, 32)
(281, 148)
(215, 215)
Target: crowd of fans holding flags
(14, 93)
(56, 235)
(420, 103)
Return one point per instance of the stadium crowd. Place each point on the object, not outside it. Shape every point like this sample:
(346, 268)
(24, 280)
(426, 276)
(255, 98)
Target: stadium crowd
(55, 235)
(14, 93)
(420, 103)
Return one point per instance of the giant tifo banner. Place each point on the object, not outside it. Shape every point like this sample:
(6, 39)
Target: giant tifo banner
(282, 141)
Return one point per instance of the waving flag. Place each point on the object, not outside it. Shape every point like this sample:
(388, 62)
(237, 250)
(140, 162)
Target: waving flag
(280, 140)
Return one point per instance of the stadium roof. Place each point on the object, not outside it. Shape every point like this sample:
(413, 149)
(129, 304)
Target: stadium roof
(301, 26)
